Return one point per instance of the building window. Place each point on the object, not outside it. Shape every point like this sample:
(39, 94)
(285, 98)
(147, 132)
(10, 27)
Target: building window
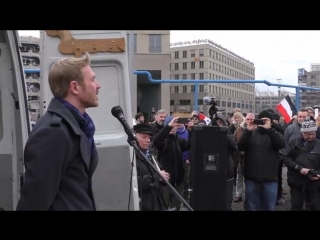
(200, 101)
(193, 76)
(201, 88)
(185, 102)
(155, 43)
(176, 66)
(193, 53)
(201, 76)
(171, 102)
(193, 65)
(184, 54)
(184, 65)
(192, 88)
(184, 89)
(176, 55)
(135, 42)
(201, 52)
(176, 89)
(184, 76)
(176, 77)
(201, 64)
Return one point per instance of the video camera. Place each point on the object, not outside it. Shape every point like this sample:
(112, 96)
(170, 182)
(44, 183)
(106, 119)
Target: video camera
(212, 110)
(313, 173)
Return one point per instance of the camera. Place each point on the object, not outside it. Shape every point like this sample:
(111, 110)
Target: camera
(313, 173)
(213, 109)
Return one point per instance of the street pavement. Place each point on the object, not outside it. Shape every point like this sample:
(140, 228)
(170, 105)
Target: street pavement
(285, 206)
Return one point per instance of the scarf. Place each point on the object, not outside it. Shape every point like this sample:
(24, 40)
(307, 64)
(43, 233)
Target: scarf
(88, 128)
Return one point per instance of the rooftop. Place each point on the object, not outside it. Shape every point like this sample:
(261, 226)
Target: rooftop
(274, 94)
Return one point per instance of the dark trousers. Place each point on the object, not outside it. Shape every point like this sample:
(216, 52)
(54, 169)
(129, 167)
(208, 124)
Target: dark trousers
(280, 180)
(299, 195)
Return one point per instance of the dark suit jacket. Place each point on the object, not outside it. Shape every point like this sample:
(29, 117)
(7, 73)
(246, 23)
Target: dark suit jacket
(58, 164)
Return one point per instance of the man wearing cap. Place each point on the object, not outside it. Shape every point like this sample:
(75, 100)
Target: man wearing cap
(300, 155)
(148, 181)
(293, 130)
(261, 145)
(170, 149)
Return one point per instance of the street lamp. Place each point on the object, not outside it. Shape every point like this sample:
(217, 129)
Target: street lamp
(279, 88)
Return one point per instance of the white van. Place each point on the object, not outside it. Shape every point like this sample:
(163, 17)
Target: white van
(112, 179)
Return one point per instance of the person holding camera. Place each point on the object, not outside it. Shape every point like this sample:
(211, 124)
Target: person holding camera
(170, 149)
(302, 158)
(261, 144)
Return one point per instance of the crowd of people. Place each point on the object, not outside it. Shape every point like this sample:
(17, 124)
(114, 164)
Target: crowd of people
(261, 150)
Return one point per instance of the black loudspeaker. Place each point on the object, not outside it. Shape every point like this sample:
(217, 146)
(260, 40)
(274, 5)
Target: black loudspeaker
(211, 172)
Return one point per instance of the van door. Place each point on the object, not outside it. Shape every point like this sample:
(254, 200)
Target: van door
(14, 119)
(111, 181)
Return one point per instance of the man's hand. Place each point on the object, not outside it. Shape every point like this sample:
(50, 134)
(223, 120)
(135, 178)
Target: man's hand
(165, 175)
(267, 123)
(173, 122)
(304, 171)
(315, 178)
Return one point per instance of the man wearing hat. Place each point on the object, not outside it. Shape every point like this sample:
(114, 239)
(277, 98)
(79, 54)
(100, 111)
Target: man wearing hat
(261, 145)
(148, 181)
(302, 157)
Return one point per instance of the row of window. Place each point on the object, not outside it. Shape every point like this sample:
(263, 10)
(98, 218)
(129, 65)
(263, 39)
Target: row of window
(155, 43)
(35, 61)
(215, 77)
(209, 65)
(219, 91)
(215, 55)
(223, 104)
(32, 75)
(26, 47)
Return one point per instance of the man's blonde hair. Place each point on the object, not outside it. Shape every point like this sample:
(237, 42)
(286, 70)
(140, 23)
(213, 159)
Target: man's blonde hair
(64, 71)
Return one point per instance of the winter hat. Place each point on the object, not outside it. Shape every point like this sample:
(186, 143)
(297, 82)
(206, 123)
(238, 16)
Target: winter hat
(265, 114)
(195, 116)
(168, 120)
(276, 116)
(308, 125)
(270, 110)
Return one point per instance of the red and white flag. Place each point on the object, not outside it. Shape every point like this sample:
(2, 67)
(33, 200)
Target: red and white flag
(287, 108)
(205, 118)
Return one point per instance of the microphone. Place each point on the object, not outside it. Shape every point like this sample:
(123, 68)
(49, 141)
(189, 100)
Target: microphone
(117, 112)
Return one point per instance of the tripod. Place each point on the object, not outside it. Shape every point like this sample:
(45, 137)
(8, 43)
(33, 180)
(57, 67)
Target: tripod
(133, 144)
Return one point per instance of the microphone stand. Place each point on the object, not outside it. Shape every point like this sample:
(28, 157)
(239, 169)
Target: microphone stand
(132, 144)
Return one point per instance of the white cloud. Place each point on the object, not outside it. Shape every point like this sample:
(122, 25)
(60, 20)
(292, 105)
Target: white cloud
(33, 33)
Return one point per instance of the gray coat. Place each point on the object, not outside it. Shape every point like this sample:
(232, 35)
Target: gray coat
(58, 164)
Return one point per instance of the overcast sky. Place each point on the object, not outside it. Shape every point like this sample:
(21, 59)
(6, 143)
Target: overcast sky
(275, 54)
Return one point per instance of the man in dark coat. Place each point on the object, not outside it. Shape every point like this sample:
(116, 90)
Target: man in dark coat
(170, 149)
(151, 198)
(60, 155)
(261, 145)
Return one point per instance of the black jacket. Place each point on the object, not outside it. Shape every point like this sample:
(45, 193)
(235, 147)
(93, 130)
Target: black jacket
(58, 164)
(148, 186)
(261, 157)
(297, 156)
(170, 148)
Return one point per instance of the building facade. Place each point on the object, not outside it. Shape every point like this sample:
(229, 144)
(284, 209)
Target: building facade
(309, 98)
(30, 52)
(270, 100)
(211, 61)
(151, 53)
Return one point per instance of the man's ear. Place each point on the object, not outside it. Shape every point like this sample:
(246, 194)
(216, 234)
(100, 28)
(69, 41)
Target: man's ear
(73, 87)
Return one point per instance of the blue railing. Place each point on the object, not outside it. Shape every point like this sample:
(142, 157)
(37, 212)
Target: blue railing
(197, 81)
